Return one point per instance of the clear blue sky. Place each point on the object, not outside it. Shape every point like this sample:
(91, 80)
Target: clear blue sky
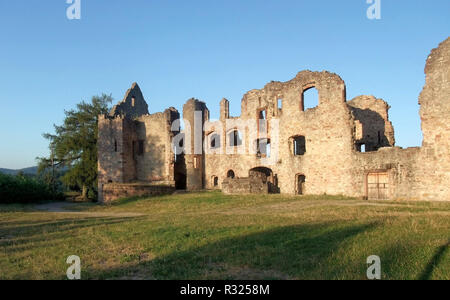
(206, 49)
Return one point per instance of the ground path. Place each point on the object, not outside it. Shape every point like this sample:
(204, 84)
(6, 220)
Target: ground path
(68, 208)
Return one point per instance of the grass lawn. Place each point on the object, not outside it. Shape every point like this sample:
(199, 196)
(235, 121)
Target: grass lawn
(213, 236)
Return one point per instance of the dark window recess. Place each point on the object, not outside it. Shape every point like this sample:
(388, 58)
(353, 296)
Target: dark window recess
(235, 139)
(140, 147)
(115, 145)
(262, 120)
(230, 174)
(299, 145)
(301, 180)
(263, 147)
(262, 114)
(215, 141)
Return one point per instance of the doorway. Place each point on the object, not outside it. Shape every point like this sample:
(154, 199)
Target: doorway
(300, 181)
(377, 186)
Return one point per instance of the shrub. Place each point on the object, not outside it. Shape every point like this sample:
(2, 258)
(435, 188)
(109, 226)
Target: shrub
(25, 189)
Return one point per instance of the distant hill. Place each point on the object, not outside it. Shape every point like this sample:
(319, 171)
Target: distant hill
(29, 171)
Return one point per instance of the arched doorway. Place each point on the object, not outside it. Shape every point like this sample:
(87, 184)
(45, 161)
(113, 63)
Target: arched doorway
(300, 181)
(214, 182)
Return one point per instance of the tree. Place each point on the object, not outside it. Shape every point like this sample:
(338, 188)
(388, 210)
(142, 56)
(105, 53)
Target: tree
(74, 146)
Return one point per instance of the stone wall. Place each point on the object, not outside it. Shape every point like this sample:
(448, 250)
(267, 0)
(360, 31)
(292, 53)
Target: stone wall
(133, 104)
(400, 165)
(327, 128)
(434, 101)
(194, 158)
(134, 146)
(249, 185)
(115, 150)
(373, 128)
(114, 191)
(156, 162)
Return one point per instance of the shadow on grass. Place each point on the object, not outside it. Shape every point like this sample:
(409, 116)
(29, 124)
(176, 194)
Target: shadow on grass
(434, 262)
(125, 201)
(17, 236)
(293, 252)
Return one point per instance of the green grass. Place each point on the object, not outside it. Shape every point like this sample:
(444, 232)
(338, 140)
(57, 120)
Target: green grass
(213, 236)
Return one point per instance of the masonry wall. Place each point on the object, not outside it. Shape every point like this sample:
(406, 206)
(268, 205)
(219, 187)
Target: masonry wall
(132, 106)
(435, 115)
(328, 130)
(157, 161)
(421, 173)
(239, 186)
(194, 158)
(115, 191)
(400, 165)
(115, 151)
(121, 134)
(115, 156)
(373, 128)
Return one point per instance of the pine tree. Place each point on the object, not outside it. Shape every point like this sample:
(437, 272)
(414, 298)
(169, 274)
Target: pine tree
(74, 146)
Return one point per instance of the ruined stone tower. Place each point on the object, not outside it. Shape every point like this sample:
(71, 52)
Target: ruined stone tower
(195, 114)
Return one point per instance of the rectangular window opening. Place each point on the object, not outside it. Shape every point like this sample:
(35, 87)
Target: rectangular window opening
(141, 147)
(299, 145)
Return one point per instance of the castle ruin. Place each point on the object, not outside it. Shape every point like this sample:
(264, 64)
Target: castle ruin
(277, 146)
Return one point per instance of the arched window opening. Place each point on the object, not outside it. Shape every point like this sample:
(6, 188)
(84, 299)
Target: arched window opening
(235, 138)
(214, 141)
(230, 174)
(215, 181)
(310, 99)
(263, 114)
(262, 120)
(300, 181)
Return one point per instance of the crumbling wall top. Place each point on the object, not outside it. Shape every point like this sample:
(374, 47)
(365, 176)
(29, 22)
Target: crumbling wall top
(133, 104)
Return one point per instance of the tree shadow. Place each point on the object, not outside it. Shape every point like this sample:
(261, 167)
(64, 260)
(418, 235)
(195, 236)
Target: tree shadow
(434, 262)
(292, 252)
(15, 236)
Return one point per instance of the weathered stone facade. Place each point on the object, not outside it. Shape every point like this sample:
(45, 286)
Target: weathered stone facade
(276, 145)
(113, 191)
